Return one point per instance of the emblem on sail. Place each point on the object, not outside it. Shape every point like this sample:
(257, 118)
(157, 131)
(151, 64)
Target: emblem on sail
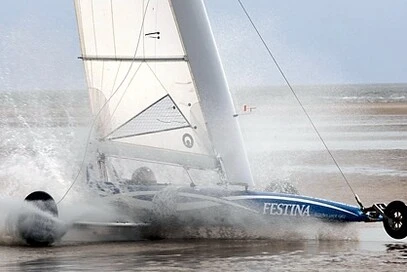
(188, 140)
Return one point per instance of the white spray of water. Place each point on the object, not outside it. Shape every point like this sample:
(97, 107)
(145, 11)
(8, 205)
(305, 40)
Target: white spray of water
(12, 211)
(42, 138)
(42, 155)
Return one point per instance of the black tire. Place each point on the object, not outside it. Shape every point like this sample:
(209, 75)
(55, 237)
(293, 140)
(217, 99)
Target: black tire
(395, 220)
(43, 201)
(37, 229)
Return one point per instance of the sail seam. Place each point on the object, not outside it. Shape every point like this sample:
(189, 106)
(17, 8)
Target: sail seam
(94, 38)
(111, 58)
(113, 33)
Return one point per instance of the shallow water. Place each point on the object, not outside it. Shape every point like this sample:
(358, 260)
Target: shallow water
(211, 255)
(43, 136)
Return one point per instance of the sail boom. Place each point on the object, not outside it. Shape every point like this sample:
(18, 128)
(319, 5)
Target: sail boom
(134, 59)
(157, 155)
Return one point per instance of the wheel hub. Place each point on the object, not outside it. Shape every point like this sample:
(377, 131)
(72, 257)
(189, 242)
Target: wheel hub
(397, 220)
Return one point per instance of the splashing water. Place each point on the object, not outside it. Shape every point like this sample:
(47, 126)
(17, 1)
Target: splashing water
(42, 139)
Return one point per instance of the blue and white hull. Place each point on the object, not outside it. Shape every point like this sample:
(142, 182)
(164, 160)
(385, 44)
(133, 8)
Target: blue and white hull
(215, 206)
(161, 211)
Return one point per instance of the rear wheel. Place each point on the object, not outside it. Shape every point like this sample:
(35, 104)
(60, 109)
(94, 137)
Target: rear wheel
(40, 228)
(43, 201)
(395, 220)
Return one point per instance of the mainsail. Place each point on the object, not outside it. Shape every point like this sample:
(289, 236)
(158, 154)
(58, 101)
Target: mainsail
(156, 84)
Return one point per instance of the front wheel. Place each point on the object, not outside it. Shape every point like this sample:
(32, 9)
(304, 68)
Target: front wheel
(395, 220)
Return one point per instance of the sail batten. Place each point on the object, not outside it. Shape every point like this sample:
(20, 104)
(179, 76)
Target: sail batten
(138, 59)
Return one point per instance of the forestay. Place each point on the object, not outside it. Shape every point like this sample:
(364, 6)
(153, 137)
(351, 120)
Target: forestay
(144, 89)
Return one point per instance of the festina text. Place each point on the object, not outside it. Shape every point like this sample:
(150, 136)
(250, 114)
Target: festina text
(286, 209)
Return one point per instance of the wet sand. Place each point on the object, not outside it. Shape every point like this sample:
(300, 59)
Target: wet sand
(375, 175)
(368, 141)
(371, 252)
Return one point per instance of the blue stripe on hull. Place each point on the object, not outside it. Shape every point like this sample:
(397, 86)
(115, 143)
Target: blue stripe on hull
(270, 205)
(286, 205)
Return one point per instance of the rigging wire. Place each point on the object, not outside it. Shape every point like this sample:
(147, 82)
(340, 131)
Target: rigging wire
(131, 65)
(104, 105)
(299, 102)
(124, 92)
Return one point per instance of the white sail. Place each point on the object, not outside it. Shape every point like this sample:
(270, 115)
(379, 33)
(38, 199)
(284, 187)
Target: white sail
(146, 62)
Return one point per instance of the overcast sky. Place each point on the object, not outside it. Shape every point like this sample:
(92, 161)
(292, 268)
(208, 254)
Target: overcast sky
(315, 41)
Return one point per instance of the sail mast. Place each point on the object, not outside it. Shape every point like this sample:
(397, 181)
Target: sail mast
(212, 88)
